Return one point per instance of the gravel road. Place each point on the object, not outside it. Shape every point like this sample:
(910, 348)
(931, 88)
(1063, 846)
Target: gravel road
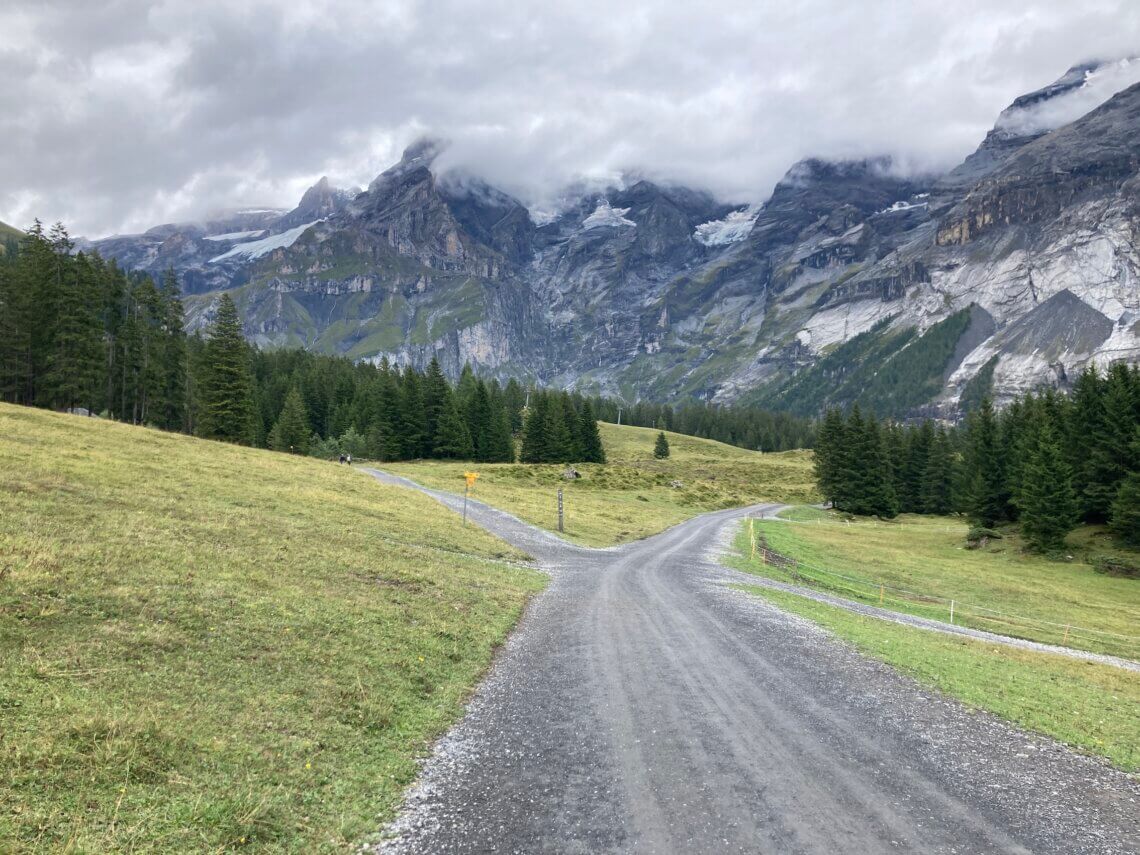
(642, 705)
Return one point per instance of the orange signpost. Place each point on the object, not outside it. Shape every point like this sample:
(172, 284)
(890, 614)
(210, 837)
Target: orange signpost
(469, 482)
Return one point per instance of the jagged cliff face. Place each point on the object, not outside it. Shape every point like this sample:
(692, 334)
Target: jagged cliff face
(653, 291)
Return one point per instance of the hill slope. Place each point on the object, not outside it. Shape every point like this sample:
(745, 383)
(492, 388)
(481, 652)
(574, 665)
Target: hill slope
(205, 647)
(633, 495)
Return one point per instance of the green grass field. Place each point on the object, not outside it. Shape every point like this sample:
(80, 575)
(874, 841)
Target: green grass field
(1057, 602)
(1095, 708)
(631, 496)
(205, 647)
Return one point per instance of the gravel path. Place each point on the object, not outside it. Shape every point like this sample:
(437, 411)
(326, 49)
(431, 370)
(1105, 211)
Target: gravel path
(643, 705)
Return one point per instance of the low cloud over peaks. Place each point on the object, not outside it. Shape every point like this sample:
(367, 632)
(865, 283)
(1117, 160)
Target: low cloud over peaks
(119, 116)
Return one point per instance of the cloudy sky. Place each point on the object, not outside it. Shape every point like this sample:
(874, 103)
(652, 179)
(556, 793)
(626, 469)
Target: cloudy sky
(120, 114)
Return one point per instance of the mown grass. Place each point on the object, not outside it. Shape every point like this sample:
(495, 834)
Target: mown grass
(631, 496)
(205, 648)
(1095, 708)
(1056, 602)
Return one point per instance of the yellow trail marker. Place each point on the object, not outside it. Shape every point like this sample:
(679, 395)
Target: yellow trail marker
(469, 478)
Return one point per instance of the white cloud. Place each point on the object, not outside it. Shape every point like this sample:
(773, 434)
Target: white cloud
(117, 116)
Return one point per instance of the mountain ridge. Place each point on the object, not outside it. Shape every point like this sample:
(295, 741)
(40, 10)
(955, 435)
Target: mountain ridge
(621, 291)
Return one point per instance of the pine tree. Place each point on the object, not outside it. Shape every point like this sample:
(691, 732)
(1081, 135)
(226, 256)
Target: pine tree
(1047, 502)
(574, 452)
(515, 399)
(661, 446)
(559, 442)
(938, 478)
(174, 366)
(412, 425)
(988, 496)
(535, 445)
(1110, 454)
(435, 390)
(451, 437)
(829, 451)
(590, 439)
(500, 445)
(73, 369)
(872, 490)
(291, 432)
(912, 471)
(227, 384)
(478, 413)
(1125, 522)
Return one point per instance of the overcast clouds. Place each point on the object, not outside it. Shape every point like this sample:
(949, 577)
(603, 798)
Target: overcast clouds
(116, 115)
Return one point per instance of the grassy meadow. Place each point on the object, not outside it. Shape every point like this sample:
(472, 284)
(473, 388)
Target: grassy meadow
(206, 647)
(631, 496)
(1094, 708)
(1000, 587)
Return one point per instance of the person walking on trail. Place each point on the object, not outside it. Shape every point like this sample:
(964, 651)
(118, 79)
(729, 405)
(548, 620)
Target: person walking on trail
(342, 458)
(349, 459)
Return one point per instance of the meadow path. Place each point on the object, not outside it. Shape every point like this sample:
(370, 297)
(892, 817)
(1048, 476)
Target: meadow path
(642, 705)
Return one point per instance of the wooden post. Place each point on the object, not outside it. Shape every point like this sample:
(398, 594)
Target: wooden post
(951, 611)
(880, 595)
(1066, 638)
(466, 488)
(560, 527)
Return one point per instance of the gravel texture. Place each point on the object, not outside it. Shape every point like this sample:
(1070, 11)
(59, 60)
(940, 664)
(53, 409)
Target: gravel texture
(643, 705)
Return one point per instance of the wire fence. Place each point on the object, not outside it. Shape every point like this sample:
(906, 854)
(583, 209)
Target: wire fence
(947, 609)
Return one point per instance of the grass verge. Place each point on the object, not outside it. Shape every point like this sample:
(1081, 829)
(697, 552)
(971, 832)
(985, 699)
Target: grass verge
(633, 495)
(1095, 708)
(205, 647)
(1000, 588)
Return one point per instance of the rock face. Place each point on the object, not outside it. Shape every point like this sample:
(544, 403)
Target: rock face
(1022, 263)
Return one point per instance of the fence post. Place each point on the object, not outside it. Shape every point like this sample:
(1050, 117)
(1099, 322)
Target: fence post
(1066, 638)
(880, 595)
(951, 612)
(560, 509)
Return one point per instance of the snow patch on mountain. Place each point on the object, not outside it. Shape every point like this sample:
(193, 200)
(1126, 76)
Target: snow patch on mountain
(606, 216)
(237, 235)
(903, 205)
(1082, 89)
(258, 248)
(735, 227)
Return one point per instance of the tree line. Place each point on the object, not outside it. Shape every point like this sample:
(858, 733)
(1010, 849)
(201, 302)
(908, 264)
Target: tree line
(745, 427)
(1047, 462)
(78, 333)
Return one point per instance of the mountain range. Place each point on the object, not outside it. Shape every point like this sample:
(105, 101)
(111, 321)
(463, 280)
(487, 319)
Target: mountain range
(913, 294)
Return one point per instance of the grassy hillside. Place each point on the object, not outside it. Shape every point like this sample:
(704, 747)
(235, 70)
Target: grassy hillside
(1095, 708)
(632, 495)
(204, 647)
(999, 588)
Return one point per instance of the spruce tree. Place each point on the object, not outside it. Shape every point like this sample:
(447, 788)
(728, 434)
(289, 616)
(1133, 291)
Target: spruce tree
(988, 495)
(227, 384)
(451, 437)
(829, 450)
(938, 478)
(589, 438)
(1047, 502)
(661, 446)
(500, 445)
(412, 418)
(291, 432)
(435, 390)
(535, 445)
(873, 489)
(1125, 521)
(174, 366)
(559, 442)
(478, 413)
